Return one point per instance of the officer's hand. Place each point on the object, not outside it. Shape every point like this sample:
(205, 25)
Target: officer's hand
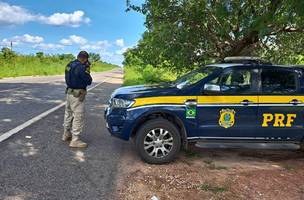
(88, 64)
(88, 67)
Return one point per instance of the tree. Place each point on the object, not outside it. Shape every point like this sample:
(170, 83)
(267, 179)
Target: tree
(7, 53)
(187, 33)
(94, 57)
(132, 57)
(39, 54)
(69, 57)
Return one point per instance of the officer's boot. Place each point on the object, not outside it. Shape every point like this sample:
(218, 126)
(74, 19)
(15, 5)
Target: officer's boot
(67, 136)
(77, 143)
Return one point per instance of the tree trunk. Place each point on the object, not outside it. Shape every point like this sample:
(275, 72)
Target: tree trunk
(239, 46)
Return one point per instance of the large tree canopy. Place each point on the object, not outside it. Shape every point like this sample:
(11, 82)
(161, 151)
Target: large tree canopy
(186, 33)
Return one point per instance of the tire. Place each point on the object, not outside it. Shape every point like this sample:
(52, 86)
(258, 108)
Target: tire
(158, 141)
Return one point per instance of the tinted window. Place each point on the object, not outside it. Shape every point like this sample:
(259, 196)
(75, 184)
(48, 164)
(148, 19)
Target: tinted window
(237, 81)
(194, 76)
(278, 81)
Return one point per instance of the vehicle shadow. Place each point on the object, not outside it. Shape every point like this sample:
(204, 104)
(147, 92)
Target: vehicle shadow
(246, 151)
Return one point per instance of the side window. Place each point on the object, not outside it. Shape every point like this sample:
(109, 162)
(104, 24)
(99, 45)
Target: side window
(236, 82)
(278, 81)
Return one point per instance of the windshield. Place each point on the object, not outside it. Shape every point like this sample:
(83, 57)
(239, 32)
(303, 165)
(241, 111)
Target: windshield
(194, 76)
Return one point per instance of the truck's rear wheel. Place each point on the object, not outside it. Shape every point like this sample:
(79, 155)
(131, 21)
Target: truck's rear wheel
(158, 141)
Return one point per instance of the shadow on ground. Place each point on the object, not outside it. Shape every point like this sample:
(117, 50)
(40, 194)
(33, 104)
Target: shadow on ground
(20, 102)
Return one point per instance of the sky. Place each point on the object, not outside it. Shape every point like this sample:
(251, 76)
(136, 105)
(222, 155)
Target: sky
(68, 26)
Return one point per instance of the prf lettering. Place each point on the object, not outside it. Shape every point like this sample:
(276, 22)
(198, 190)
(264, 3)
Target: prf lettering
(278, 120)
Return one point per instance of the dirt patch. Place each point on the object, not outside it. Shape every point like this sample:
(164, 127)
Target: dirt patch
(216, 174)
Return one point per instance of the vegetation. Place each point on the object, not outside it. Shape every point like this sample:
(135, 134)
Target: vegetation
(212, 188)
(191, 153)
(183, 35)
(14, 65)
(136, 75)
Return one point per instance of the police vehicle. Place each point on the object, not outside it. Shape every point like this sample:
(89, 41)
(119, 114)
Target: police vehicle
(242, 99)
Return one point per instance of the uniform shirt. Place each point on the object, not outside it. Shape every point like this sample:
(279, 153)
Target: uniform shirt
(77, 76)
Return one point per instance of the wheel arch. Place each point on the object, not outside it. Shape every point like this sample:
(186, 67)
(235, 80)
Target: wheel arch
(166, 114)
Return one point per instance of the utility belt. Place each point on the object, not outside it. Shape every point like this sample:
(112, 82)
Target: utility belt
(77, 93)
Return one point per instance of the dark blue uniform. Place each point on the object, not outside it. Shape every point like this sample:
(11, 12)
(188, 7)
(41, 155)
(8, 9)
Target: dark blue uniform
(77, 76)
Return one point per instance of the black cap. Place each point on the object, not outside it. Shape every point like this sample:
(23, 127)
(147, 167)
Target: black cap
(83, 54)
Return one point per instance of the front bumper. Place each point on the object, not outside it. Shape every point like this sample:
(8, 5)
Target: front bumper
(119, 122)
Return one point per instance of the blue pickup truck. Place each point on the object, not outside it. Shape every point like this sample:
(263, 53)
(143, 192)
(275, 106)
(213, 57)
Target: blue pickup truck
(239, 100)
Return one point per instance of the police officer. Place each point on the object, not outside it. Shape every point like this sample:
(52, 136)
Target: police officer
(77, 77)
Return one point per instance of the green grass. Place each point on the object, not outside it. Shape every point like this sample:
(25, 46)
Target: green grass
(192, 154)
(147, 75)
(213, 188)
(208, 161)
(288, 167)
(32, 66)
(100, 67)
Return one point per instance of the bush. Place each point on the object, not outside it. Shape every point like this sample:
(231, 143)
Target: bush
(148, 75)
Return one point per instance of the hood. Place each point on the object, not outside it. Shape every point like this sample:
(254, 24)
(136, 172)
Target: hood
(140, 91)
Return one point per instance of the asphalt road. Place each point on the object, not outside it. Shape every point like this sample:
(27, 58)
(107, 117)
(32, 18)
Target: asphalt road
(23, 98)
(35, 163)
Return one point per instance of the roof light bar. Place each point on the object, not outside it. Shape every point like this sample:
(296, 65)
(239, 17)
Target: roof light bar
(245, 59)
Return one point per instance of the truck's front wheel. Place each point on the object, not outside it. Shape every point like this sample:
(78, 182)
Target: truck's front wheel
(158, 141)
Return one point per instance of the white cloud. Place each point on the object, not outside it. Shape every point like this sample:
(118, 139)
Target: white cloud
(73, 39)
(74, 19)
(11, 15)
(48, 46)
(66, 42)
(112, 58)
(97, 46)
(15, 15)
(26, 38)
(106, 54)
(121, 51)
(120, 42)
(7, 42)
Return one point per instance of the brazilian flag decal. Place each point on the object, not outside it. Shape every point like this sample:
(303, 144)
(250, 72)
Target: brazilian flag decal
(190, 113)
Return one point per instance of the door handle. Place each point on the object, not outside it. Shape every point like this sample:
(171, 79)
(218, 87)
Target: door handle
(191, 102)
(246, 102)
(295, 102)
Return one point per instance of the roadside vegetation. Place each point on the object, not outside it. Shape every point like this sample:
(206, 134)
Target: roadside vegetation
(14, 65)
(184, 35)
(148, 75)
(212, 188)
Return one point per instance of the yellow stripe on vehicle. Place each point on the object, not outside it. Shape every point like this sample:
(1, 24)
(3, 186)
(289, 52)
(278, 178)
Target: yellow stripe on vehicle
(279, 99)
(215, 100)
(226, 99)
(162, 100)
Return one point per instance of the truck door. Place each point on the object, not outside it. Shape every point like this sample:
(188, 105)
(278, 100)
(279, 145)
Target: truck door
(281, 108)
(230, 112)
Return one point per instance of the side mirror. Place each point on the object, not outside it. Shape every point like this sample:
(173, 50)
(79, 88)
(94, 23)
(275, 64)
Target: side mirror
(211, 88)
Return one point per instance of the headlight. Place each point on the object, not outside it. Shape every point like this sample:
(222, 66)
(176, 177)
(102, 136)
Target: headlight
(121, 103)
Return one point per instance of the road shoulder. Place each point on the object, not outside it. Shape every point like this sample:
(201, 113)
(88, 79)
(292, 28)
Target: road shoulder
(216, 173)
